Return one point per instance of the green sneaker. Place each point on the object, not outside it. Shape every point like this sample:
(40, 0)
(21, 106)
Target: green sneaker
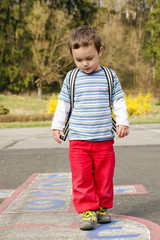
(103, 216)
(89, 220)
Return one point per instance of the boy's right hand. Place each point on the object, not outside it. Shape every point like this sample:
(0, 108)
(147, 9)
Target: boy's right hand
(56, 135)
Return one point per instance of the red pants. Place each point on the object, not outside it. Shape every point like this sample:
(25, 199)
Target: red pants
(92, 166)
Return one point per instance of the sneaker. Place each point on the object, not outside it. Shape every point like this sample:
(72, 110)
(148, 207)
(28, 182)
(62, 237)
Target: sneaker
(103, 216)
(88, 221)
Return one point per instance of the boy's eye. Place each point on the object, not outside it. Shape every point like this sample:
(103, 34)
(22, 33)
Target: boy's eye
(78, 60)
(89, 59)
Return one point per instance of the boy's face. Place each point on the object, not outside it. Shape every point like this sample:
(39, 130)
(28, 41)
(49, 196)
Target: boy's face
(87, 58)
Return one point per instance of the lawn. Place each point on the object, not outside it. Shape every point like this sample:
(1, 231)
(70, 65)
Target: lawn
(24, 111)
(28, 111)
(24, 105)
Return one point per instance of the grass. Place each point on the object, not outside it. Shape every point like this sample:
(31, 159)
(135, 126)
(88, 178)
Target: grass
(25, 124)
(148, 118)
(24, 104)
(23, 108)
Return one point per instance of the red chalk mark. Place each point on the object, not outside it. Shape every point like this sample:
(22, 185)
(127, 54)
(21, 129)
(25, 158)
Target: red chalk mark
(140, 189)
(17, 192)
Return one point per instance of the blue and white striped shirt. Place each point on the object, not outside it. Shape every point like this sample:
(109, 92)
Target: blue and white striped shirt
(91, 116)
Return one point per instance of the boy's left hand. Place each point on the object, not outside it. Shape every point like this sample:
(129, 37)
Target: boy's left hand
(122, 131)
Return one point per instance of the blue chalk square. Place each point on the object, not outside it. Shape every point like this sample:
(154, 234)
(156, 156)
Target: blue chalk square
(46, 192)
(24, 205)
(124, 189)
(58, 183)
(6, 193)
(54, 175)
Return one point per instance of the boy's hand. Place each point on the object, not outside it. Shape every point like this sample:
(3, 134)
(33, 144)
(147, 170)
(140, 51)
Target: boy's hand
(56, 135)
(122, 131)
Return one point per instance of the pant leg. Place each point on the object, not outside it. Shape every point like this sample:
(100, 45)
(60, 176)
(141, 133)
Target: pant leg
(84, 192)
(104, 163)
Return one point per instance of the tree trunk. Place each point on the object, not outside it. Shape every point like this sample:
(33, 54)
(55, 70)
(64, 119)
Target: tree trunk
(40, 91)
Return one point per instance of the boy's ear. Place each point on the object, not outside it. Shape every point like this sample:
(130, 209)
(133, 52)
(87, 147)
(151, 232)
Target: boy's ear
(100, 51)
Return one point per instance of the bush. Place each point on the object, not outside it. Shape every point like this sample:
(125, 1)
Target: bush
(51, 106)
(3, 110)
(139, 105)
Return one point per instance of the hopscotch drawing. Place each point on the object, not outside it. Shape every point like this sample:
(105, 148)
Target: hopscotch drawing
(41, 208)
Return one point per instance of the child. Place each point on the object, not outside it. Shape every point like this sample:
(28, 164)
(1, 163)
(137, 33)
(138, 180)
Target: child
(91, 137)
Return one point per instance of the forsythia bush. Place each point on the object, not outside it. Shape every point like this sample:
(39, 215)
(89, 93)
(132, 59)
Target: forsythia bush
(51, 106)
(136, 105)
(139, 105)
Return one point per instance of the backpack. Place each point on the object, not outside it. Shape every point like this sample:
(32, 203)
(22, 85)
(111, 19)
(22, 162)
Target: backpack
(72, 79)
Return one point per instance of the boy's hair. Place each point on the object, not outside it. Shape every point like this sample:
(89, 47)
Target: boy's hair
(84, 36)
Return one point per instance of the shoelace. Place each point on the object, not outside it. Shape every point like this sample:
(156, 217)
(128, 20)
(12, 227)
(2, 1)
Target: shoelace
(103, 211)
(88, 215)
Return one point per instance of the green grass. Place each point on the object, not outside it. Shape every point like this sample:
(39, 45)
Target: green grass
(26, 124)
(24, 104)
(149, 118)
(30, 105)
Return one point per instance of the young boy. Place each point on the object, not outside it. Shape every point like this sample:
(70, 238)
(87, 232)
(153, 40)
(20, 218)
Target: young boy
(91, 152)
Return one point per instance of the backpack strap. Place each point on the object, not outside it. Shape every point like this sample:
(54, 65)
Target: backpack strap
(109, 78)
(72, 78)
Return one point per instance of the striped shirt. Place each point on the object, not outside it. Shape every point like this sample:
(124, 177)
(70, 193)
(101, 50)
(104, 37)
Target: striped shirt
(91, 116)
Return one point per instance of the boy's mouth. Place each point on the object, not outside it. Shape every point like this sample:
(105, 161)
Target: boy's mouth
(86, 69)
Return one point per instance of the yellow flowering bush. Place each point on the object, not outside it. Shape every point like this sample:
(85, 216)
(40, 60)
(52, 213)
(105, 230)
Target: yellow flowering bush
(139, 105)
(52, 104)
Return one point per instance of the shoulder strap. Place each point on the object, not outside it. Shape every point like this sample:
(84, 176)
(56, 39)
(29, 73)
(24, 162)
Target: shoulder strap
(109, 78)
(72, 79)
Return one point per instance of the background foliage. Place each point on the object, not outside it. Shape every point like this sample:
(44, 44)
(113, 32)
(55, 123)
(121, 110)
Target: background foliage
(34, 34)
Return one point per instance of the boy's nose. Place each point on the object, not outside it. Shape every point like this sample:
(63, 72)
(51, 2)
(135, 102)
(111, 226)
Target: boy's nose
(85, 63)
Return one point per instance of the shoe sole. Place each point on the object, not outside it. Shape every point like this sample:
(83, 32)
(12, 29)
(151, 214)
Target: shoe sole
(87, 227)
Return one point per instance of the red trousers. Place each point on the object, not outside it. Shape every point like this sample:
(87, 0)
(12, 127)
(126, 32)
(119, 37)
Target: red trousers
(92, 166)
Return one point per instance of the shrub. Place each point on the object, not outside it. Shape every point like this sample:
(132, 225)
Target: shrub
(139, 105)
(3, 110)
(51, 106)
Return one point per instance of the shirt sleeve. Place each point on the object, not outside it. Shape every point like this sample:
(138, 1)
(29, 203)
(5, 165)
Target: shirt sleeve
(120, 112)
(117, 91)
(60, 115)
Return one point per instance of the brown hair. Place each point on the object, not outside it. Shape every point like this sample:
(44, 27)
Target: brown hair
(84, 36)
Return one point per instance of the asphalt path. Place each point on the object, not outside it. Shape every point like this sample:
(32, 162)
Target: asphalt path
(32, 150)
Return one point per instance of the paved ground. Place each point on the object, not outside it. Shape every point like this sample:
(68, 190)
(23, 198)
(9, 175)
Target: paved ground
(31, 154)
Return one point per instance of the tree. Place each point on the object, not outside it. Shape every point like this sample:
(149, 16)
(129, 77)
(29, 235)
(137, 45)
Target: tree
(122, 47)
(152, 41)
(14, 52)
(49, 36)
(82, 11)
